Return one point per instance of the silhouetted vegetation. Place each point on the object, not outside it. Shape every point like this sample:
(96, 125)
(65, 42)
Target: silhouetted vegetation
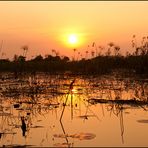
(98, 63)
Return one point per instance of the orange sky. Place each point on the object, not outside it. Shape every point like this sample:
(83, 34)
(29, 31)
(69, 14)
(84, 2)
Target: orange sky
(43, 26)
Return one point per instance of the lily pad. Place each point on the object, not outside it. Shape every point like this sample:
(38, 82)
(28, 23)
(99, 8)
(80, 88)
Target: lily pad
(80, 136)
(83, 136)
(143, 121)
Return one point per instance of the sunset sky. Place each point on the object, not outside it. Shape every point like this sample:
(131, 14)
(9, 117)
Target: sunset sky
(47, 25)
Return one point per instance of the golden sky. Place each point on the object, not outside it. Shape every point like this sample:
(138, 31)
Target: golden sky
(45, 25)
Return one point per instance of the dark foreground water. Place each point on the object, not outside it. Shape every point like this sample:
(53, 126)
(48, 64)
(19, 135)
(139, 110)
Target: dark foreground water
(44, 110)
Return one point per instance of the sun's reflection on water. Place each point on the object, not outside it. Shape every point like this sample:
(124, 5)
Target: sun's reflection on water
(86, 113)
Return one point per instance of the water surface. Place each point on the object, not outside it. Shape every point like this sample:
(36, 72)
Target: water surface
(43, 111)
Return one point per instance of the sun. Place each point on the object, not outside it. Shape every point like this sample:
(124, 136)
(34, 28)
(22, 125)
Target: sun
(72, 39)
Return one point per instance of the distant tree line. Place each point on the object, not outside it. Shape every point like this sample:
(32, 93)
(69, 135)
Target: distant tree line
(97, 65)
(137, 62)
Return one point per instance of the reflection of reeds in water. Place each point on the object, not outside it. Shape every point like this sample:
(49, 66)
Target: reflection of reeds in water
(121, 123)
(69, 93)
(23, 126)
(117, 110)
(115, 105)
(80, 136)
(68, 144)
(88, 109)
(47, 94)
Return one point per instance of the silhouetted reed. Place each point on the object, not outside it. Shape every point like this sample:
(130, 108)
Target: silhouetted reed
(69, 93)
(23, 126)
(135, 62)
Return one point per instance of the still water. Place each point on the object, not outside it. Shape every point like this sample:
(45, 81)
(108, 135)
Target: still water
(73, 111)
